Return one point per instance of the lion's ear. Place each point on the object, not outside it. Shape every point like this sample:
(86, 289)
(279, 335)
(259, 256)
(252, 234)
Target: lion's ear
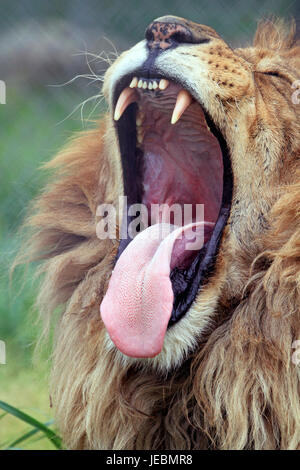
(275, 34)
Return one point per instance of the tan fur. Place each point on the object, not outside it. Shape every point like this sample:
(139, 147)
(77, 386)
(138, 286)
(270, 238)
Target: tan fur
(238, 388)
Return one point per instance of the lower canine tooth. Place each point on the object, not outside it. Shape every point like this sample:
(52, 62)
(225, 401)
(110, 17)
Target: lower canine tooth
(127, 97)
(183, 101)
(163, 84)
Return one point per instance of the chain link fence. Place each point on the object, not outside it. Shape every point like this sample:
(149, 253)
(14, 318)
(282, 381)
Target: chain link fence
(41, 41)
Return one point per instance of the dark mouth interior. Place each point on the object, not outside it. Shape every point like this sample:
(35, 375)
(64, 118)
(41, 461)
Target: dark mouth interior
(184, 163)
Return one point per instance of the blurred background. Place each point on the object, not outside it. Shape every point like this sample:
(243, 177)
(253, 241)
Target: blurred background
(52, 57)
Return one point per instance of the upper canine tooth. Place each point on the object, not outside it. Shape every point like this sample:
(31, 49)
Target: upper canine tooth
(184, 99)
(134, 82)
(127, 97)
(163, 84)
(140, 83)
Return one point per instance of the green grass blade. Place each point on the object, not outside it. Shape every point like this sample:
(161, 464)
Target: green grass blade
(4, 444)
(22, 438)
(51, 435)
(37, 439)
(26, 436)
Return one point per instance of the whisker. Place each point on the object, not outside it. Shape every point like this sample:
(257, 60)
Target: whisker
(87, 76)
(81, 107)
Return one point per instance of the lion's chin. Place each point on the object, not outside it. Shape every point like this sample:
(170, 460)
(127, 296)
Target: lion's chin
(172, 156)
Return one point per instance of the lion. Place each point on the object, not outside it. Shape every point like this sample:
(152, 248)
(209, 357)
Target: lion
(156, 348)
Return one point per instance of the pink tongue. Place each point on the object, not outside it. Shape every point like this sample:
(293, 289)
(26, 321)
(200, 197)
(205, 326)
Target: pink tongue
(139, 301)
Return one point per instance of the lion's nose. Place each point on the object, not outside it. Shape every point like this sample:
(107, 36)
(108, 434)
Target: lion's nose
(168, 31)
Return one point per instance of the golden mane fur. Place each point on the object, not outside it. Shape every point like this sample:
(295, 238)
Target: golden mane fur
(239, 389)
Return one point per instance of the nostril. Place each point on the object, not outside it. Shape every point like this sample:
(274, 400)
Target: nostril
(149, 34)
(188, 37)
(181, 36)
(164, 34)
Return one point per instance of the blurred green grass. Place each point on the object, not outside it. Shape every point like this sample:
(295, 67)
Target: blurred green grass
(31, 132)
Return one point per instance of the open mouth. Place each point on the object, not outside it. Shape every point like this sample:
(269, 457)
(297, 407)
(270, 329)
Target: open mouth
(172, 156)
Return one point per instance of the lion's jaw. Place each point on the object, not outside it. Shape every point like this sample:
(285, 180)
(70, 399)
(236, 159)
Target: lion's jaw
(222, 84)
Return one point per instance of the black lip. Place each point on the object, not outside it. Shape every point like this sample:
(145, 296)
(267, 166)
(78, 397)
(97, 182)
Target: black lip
(186, 283)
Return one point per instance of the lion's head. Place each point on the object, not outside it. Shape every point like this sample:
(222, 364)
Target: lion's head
(197, 350)
(197, 123)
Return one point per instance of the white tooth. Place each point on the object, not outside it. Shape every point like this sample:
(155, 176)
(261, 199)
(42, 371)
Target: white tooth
(163, 84)
(155, 85)
(140, 83)
(150, 86)
(184, 99)
(127, 97)
(138, 120)
(145, 85)
(134, 82)
(140, 136)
